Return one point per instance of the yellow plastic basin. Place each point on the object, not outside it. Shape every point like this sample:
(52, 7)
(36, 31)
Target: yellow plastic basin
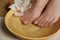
(28, 32)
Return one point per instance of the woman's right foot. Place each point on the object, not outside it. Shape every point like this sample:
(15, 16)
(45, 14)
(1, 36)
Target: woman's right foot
(50, 15)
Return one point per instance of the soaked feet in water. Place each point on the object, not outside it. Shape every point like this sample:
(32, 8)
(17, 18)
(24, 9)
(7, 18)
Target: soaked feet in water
(50, 15)
(34, 12)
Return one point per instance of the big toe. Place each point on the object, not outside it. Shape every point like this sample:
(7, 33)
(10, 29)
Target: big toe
(27, 20)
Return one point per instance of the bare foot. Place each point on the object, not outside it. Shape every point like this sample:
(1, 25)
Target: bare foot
(34, 12)
(50, 15)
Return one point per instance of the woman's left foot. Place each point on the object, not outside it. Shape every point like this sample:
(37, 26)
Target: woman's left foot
(50, 15)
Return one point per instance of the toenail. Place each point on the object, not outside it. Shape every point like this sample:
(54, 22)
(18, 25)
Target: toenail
(36, 22)
(25, 22)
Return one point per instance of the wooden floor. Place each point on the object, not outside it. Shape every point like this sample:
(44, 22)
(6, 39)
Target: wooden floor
(3, 7)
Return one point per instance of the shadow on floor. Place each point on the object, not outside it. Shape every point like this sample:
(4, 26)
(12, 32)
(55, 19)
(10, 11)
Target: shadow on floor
(6, 31)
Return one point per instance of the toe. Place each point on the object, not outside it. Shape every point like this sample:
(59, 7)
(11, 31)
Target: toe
(49, 21)
(54, 21)
(24, 20)
(38, 20)
(41, 22)
(45, 22)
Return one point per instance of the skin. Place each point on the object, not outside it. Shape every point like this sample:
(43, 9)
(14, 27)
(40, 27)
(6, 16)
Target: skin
(34, 12)
(50, 15)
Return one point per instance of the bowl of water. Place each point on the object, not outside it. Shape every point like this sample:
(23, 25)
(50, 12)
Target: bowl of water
(31, 31)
